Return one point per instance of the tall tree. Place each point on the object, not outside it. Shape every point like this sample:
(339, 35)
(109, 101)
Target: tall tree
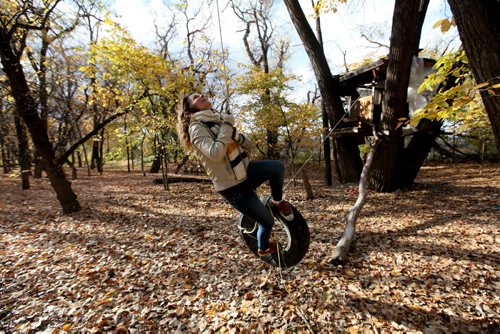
(327, 173)
(16, 21)
(388, 163)
(479, 28)
(349, 159)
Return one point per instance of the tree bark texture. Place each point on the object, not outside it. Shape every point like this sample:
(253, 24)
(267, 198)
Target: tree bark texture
(384, 175)
(156, 165)
(3, 146)
(43, 97)
(478, 23)
(349, 161)
(39, 166)
(97, 159)
(421, 143)
(327, 173)
(422, 11)
(27, 109)
(327, 149)
(24, 154)
(417, 150)
(307, 185)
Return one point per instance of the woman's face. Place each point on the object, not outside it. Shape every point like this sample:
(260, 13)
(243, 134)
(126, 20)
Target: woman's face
(199, 102)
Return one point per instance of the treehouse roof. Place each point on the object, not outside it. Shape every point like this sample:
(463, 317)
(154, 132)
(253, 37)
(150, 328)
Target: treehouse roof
(375, 71)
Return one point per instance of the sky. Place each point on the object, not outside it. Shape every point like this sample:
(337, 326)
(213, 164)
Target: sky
(341, 33)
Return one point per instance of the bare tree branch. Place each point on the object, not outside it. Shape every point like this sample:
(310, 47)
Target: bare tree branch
(374, 42)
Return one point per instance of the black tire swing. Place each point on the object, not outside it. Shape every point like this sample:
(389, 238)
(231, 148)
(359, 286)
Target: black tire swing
(293, 237)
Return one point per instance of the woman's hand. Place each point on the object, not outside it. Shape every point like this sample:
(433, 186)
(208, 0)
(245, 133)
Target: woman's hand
(228, 119)
(236, 136)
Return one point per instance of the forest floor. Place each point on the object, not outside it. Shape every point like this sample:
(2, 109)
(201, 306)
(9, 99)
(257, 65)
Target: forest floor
(141, 259)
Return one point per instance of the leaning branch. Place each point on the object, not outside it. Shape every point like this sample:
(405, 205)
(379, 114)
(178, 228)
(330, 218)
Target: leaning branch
(342, 248)
(62, 159)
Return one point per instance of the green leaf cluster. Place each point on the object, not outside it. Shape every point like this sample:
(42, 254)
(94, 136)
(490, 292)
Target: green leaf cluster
(456, 99)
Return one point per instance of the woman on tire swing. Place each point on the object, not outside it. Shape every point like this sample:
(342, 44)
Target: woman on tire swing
(213, 138)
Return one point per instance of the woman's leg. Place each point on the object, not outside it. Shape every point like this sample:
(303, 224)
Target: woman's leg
(244, 199)
(259, 171)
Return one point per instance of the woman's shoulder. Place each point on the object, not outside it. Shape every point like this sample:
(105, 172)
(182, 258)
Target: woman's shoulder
(197, 127)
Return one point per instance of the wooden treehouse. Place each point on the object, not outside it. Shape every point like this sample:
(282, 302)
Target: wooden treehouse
(363, 90)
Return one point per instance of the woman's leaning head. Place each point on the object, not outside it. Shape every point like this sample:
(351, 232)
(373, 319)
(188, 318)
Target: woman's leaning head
(191, 104)
(195, 102)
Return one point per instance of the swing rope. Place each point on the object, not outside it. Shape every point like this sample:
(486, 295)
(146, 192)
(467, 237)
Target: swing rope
(223, 57)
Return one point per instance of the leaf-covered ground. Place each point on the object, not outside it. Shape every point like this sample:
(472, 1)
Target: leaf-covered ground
(141, 259)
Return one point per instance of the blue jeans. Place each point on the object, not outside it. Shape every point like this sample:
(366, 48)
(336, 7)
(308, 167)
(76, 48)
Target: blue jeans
(244, 199)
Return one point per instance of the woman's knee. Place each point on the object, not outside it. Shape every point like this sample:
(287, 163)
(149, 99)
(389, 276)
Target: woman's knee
(279, 167)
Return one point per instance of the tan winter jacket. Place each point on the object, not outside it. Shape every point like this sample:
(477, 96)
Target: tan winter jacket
(210, 144)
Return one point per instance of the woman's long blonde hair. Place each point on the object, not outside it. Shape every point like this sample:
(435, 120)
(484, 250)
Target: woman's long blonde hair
(183, 120)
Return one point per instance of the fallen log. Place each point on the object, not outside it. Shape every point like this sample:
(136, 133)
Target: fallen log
(181, 178)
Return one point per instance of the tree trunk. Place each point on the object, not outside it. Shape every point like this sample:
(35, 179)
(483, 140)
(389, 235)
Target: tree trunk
(327, 172)
(327, 148)
(142, 154)
(3, 132)
(336, 164)
(5, 165)
(100, 165)
(97, 154)
(417, 151)
(349, 161)
(93, 155)
(164, 168)
(384, 175)
(39, 165)
(41, 72)
(127, 148)
(128, 155)
(422, 11)
(27, 109)
(307, 185)
(24, 155)
(478, 24)
(272, 143)
(156, 164)
(350, 169)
